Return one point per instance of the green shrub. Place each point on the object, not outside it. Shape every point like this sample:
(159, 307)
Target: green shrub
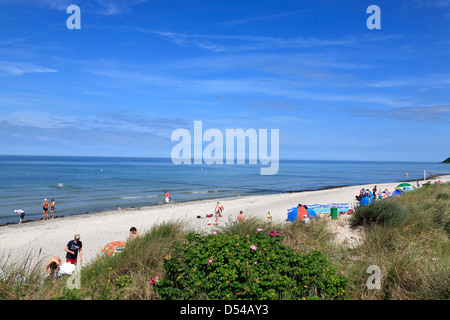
(381, 212)
(257, 266)
(443, 196)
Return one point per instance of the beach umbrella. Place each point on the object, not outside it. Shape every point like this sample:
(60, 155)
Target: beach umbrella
(401, 185)
(113, 247)
(366, 201)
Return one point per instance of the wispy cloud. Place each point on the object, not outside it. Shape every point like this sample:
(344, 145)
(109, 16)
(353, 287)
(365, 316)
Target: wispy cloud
(21, 68)
(433, 3)
(221, 43)
(261, 18)
(101, 7)
(439, 113)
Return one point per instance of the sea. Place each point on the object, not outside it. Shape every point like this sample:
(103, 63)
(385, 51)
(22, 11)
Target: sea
(90, 184)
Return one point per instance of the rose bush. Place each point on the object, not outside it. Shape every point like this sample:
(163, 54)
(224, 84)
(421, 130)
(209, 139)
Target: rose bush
(259, 266)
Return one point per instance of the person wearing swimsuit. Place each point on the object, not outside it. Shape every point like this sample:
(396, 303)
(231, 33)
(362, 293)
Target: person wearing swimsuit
(52, 209)
(45, 209)
(218, 211)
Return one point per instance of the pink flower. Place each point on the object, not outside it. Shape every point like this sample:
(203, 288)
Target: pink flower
(153, 280)
(259, 229)
(274, 233)
(253, 247)
(210, 261)
(214, 232)
(255, 262)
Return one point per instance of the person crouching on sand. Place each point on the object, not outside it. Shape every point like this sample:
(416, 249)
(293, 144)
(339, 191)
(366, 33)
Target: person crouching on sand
(21, 214)
(53, 265)
(134, 233)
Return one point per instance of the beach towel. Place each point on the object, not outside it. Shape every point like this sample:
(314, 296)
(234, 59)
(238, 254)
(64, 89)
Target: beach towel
(66, 268)
(325, 208)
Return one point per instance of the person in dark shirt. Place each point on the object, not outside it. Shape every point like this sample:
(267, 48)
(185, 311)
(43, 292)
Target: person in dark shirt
(73, 248)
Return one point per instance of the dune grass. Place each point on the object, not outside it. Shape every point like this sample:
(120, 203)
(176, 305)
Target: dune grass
(406, 238)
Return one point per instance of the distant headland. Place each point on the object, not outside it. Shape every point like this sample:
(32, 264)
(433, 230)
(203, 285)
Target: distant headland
(446, 160)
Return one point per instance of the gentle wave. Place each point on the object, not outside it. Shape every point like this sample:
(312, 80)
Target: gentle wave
(141, 197)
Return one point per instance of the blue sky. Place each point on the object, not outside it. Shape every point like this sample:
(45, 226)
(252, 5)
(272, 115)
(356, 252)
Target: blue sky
(138, 70)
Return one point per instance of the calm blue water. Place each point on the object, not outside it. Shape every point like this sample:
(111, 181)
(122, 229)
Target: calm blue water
(87, 184)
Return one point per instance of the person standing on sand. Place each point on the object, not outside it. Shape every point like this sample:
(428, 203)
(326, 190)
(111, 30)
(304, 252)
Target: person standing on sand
(52, 209)
(167, 197)
(73, 248)
(44, 209)
(269, 217)
(240, 218)
(218, 211)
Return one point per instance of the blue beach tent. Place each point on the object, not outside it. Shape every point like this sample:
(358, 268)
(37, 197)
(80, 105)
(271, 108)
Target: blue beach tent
(366, 201)
(296, 214)
(292, 214)
(312, 213)
(396, 192)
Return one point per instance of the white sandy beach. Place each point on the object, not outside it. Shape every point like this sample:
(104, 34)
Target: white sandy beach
(42, 240)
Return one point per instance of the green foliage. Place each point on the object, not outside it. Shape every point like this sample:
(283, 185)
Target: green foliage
(257, 266)
(443, 196)
(123, 281)
(384, 212)
(69, 294)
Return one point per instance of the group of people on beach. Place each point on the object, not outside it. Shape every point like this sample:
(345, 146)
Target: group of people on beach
(376, 193)
(74, 251)
(218, 210)
(45, 207)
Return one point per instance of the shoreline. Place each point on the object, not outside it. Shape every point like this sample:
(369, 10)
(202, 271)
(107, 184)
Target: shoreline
(44, 239)
(434, 177)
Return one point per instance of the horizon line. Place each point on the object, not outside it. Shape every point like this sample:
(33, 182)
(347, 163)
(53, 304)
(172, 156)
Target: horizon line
(169, 158)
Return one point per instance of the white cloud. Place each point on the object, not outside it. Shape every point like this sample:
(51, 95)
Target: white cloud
(261, 18)
(20, 68)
